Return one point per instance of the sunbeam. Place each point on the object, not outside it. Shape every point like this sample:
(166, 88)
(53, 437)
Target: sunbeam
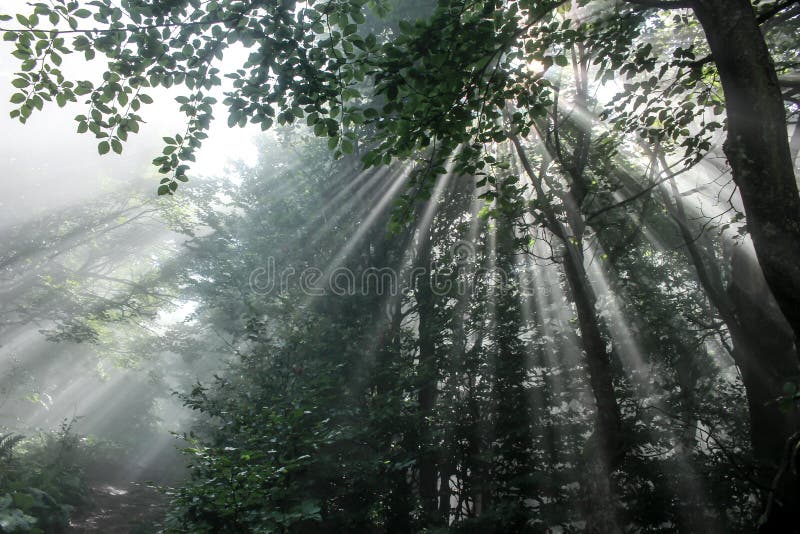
(402, 267)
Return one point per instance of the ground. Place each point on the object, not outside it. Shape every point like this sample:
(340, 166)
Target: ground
(121, 508)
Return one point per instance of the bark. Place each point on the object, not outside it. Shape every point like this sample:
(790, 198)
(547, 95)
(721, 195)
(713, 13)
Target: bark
(764, 352)
(757, 146)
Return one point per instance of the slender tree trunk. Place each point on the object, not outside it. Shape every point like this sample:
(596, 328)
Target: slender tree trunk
(598, 361)
(428, 373)
(574, 161)
(400, 501)
(757, 146)
(609, 419)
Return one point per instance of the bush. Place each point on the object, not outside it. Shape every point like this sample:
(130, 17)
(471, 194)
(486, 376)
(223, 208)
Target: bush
(41, 480)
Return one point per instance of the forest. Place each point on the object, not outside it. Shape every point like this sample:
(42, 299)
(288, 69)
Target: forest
(400, 266)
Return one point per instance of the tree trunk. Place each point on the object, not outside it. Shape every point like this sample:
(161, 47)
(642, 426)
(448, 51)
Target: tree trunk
(426, 398)
(758, 145)
(764, 351)
(598, 359)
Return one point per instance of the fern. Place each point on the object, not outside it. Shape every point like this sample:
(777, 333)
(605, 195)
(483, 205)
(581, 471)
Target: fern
(7, 444)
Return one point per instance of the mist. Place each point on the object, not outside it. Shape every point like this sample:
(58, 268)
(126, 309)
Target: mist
(405, 267)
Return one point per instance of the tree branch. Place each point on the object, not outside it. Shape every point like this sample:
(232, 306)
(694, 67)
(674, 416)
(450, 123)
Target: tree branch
(661, 4)
(776, 8)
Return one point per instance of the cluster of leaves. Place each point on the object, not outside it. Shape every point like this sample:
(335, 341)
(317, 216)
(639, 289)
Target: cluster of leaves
(287, 452)
(446, 80)
(670, 95)
(41, 481)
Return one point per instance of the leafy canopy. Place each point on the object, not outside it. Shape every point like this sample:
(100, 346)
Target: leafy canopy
(443, 86)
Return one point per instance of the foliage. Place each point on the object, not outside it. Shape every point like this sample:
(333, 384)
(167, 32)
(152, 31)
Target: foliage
(328, 64)
(316, 424)
(42, 482)
(553, 358)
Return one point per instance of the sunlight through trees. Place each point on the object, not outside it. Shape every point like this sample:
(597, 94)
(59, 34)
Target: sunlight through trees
(518, 266)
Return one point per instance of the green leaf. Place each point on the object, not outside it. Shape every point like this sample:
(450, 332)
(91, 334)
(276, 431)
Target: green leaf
(347, 146)
(23, 501)
(103, 147)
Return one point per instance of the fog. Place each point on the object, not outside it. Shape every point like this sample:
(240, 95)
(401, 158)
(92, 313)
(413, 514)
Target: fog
(468, 267)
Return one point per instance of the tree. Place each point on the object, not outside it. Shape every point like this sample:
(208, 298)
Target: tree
(758, 144)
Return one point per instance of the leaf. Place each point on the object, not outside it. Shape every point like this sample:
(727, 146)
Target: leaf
(347, 146)
(103, 147)
(23, 501)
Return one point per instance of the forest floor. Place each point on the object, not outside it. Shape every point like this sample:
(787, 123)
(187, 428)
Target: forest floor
(120, 508)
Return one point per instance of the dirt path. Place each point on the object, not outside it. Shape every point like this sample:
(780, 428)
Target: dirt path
(127, 508)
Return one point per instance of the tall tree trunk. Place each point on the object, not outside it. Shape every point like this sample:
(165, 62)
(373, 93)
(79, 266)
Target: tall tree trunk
(598, 359)
(764, 351)
(428, 374)
(757, 146)
(513, 461)
(574, 160)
